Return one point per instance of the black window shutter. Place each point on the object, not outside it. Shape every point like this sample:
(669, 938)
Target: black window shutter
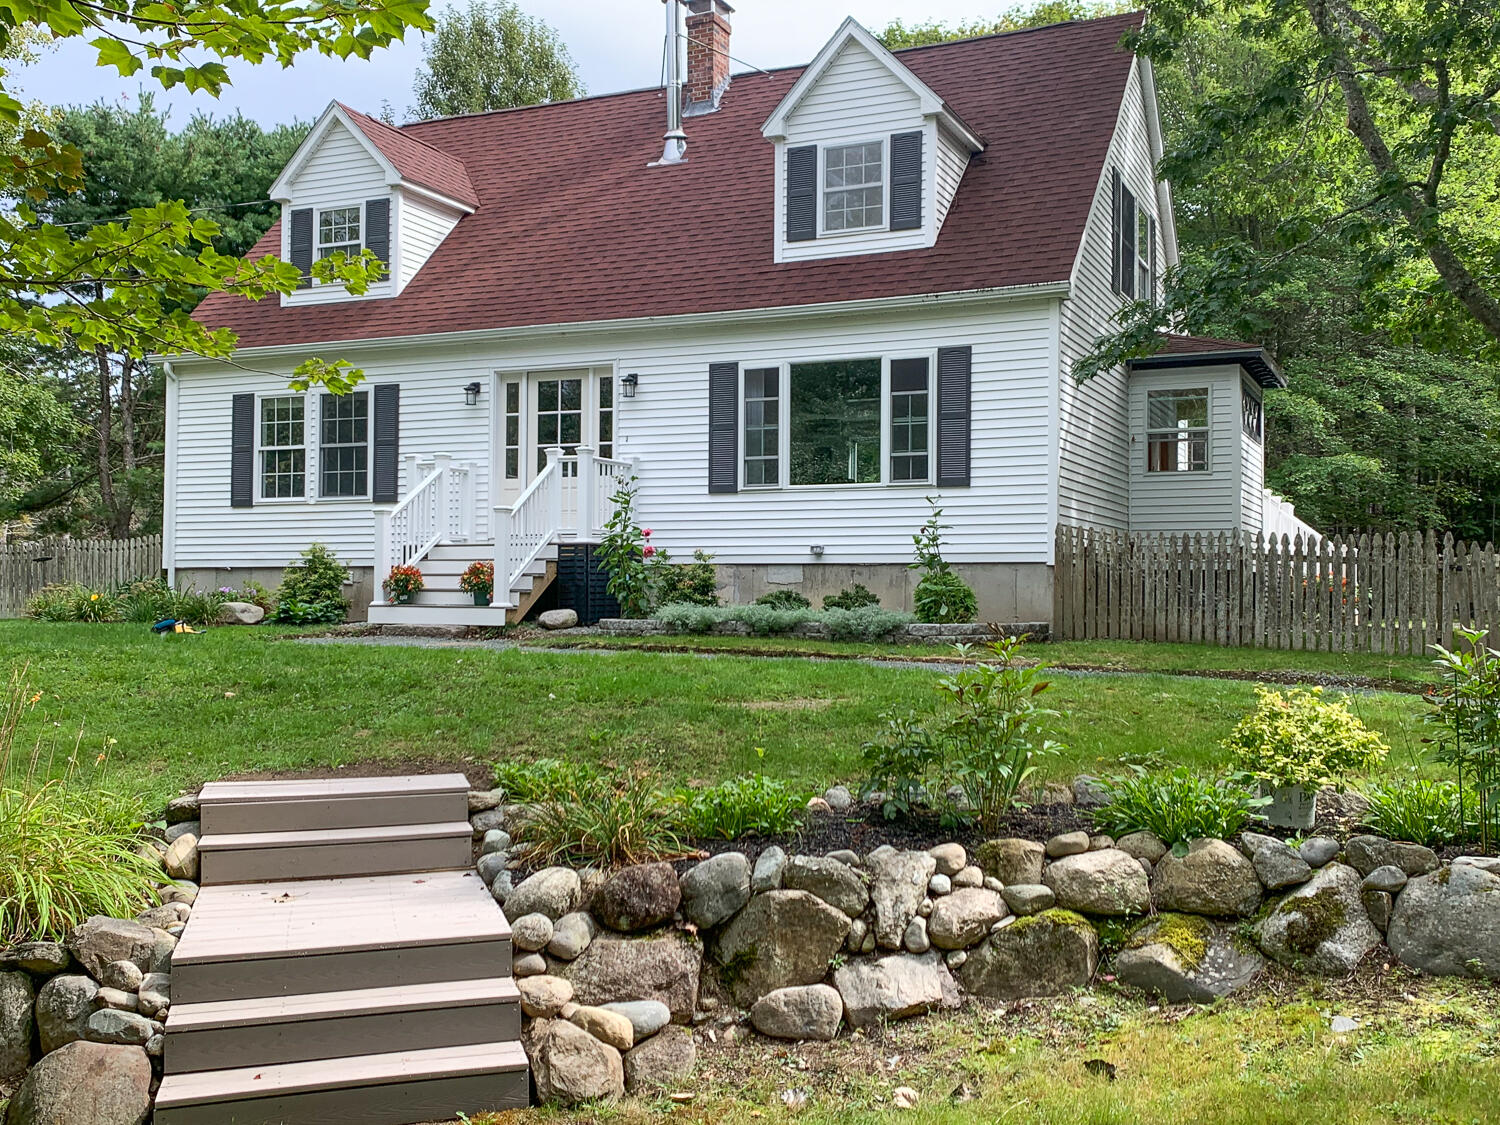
(1114, 229)
(1127, 242)
(802, 193)
(906, 180)
(723, 427)
(301, 242)
(242, 453)
(953, 405)
(378, 229)
(385, 478)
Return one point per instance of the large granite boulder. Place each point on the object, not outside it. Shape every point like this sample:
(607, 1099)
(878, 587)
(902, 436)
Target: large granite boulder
(898, 886)
(99, 940)
(964, 917)
(571, 1066)
(836, 883)
(809, 1011)
(615, 968)
(637, 898)
(63, 1007)
(781, 938)
(1107, 881)
(1038, 955)
(1212, 878)
(1448, 923)
(663, 1060)
(1321, 927)
(716, 889)
(1366, 853)
(893, 987)
(1186, 958)
(1011, 860)
(85, 1084)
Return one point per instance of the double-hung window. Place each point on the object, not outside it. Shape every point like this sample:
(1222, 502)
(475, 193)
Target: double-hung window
(1145, 256)
(1133, 270)
(339, 232)
(344, 451)
(1177, 431)
(282, 447)
(853, 187)
(835, 422)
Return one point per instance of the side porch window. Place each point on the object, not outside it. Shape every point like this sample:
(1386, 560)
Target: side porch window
(1177, 431)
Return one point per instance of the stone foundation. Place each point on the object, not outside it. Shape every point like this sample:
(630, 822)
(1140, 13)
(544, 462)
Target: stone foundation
(360, 590)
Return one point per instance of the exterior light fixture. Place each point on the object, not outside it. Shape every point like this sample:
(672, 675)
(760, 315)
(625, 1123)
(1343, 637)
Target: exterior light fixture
(628, 383)
(471, 393)
(817, 550)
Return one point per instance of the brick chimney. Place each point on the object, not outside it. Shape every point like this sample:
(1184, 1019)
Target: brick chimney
(707, 54)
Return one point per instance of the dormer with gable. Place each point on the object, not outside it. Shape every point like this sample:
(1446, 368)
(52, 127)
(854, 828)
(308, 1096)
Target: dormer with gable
(868, 156)
(356, 183)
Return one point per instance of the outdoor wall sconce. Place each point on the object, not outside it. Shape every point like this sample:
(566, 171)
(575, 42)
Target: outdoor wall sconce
(471, 393)
(817, 550)
(628, 383)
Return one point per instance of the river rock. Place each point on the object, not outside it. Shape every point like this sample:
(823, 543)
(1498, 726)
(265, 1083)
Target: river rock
(85, 1084)
(1277, 866)
(898, 886)
(781, 938)
(100, 940)
(1066, 844)
(181, 860)
(1388, 878)
(557, 618)
(638, 898)
(163, 945)
(1103, 882)
(1041, 955)
(811, 1011)
(646, 1017)
(950, 858)
(663, 1060)
(124, 975)
(1185, 958)
(1029, 898)
(836, 883)
(17, 1020)
(1321, 927)
(1448, 923)
(543, 997)
(241, 613)
(964, 917)
(1366, 853)
(604, 1025)
(716, 889)
(531, 932)
(553, 891)
(1011, 860)
(890, 988)
(112, 1025)
(768, 868)
(571, 935)
(1318, 851)
(1213, 878)
(63, 1007)
(1379, 905)
(664, 967)
(571, 1066)
(155, 994)
(1142, 845)
(182, 808)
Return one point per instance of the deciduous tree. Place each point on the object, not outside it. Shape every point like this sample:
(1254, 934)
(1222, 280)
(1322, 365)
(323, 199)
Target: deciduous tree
(492, 55)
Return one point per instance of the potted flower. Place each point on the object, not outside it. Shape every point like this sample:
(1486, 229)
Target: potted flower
(402, 584)
(1295, 742)
(478, 579)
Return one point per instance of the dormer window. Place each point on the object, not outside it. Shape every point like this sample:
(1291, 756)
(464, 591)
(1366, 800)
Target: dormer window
(854, 187)
(338, 232)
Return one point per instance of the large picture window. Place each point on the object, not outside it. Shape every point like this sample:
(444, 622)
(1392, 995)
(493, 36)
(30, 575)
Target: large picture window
(834, 422)
(853, 187)
(344, 451)
(282, 447)
(1177, 431)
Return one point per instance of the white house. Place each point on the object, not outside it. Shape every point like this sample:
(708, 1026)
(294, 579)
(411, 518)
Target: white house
(862, 283)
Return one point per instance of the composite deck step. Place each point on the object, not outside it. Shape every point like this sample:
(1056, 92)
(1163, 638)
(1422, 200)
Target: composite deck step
(268, 1030)
(355, 802)
(395, 1088)
(334, 935)
(319, 853)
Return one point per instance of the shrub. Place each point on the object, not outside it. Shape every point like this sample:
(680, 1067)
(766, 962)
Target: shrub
(767, 621)
(679, 618)
(146, 601)
(525, 782)
(598, 821)
(784, 599)
(851, 597)
(622, 552)
(941, 597)
(1299, 738)
(694, 583)
(1178, 806)
(50, 603)
(403, 582)
(312, 591)
(865, 623)
(86, 604)
(1419, 810)
(741, 806)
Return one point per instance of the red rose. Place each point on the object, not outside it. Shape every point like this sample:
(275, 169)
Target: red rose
(649, 551)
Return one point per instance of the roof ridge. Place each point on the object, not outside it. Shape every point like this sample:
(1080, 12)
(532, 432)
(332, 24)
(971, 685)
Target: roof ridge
(1136, 13)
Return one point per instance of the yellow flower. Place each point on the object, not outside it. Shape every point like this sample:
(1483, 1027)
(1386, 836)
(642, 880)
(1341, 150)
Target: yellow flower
(37, 698)
(93, 597)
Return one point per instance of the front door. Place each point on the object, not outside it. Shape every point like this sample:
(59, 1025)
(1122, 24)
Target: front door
(567, 408)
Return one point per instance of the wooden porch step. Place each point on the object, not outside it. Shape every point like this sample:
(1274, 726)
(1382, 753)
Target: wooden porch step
(358, 802)
(263, 1031)
(335, 935)
(321, 853)
(387, 1089)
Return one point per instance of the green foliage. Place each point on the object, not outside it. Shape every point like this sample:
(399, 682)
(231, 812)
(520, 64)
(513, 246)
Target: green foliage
(941, 596)
(147, 601)
(197, 607)
(543, 779)
(867, 623)
(1420, 810)
(897, 35)
(693, 619)
(851, 597)
(768, 621)
(740, 806)
(694, 583)
(1178, 806)
(1299, 738)
(492, 56)
(598, 821)
(987, 738)
(1467, 710)
(622, 552)
(784, 599)
(312, 591)
(870, 623)
(256, 594)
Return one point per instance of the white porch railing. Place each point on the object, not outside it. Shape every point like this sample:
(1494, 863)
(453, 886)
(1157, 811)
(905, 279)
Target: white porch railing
(438, 508)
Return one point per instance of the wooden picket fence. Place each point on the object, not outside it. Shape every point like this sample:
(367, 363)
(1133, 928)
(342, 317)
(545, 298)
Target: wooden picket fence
(27, 566)
(1366, 593)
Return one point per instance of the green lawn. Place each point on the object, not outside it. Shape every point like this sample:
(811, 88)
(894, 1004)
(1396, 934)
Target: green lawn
(185, 709)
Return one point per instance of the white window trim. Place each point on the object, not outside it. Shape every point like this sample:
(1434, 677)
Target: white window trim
(318, 213)
(784, 417)
(885, 190)
(1208, 433)
(317, 445)
(309, 457)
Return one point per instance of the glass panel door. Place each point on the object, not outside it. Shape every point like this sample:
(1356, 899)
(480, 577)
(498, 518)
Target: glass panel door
(559, 416)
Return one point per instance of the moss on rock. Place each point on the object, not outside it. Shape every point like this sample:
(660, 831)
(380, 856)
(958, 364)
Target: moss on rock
(1313, 919)
(1187, 935)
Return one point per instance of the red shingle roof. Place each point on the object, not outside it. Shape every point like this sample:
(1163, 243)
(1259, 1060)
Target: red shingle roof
(1173, 344)
(416, 161)
(573, 226)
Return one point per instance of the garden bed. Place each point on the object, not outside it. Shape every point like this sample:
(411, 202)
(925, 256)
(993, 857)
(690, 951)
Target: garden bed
(913, 633)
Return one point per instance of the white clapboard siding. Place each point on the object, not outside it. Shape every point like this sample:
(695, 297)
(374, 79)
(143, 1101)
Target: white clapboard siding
(422, 226)
(1189, 501)
(856, 99)
(952, 162)
(1094, 441)
(1003, 516)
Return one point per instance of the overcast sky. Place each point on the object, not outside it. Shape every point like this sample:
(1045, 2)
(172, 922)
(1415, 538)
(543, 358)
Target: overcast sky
(617, 45)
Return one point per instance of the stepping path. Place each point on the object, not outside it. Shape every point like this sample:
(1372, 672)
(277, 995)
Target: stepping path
(343, 962)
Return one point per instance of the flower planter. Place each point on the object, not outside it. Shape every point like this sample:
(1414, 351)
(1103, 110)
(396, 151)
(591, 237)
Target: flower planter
(402, 599)
(1292, 806)
(481, 598)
